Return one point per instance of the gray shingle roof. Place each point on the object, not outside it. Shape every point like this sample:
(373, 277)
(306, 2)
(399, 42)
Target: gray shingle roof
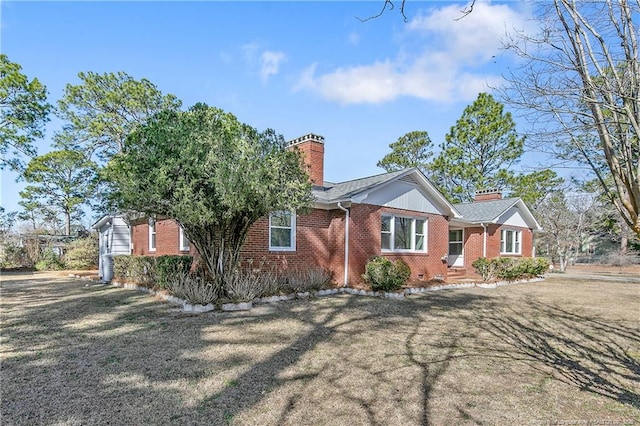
(332, 192)
(485, 211)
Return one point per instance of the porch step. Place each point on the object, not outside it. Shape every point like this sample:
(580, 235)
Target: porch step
(456, 272)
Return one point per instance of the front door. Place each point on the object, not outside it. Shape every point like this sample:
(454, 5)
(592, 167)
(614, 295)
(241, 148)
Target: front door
(456, 247)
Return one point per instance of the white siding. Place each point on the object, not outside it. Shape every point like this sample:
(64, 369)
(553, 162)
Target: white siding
(512, 217)
(402, 195)
(120, 238)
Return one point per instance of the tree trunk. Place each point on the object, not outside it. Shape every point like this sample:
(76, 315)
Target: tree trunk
(67, 223)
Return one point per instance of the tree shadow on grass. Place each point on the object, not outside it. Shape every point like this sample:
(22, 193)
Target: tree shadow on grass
(580, 350)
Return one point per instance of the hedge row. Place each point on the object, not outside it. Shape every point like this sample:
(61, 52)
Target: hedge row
(149, 270)
(510, 269)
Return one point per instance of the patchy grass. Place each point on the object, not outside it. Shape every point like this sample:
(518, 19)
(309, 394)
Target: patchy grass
(564, 350)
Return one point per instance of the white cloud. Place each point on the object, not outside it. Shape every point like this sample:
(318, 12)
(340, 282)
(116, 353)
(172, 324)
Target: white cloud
(270, 64)
(447, 69)
(266, 61)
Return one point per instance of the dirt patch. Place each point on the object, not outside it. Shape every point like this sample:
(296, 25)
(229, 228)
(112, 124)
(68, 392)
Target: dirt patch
(564, 350)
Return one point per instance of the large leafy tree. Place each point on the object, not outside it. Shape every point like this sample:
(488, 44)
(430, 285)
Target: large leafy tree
(23, 113)
(478, 151)
(410, 150)
(104, 108)
(60, 181)
(215, 175)
(534, 187)
(580, 84)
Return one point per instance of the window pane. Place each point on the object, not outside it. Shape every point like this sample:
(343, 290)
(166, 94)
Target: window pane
(386, 241)
(281, 219)
(455, 235)
(419, 242)
(153, 240)
(386, 223)
(402, 240)
(280, 237)
(509, 241)
(419, 227)
(455, 248)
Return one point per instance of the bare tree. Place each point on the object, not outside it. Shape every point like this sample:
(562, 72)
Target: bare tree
(579, 84)
(565, 221)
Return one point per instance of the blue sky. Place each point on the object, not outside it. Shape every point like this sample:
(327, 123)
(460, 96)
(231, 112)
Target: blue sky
(296, 67)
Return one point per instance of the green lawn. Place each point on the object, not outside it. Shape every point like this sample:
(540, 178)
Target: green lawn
(561, 350)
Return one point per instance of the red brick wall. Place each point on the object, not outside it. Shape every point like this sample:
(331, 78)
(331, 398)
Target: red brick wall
(313, 156)
(365, 243)
(167, 239)
(320, 241)
(473, 243)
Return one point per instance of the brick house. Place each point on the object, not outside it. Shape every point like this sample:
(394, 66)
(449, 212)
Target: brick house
(399, 215)
(491, 227)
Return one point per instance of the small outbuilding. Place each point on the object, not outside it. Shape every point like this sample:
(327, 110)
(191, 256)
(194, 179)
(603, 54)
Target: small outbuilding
(115, 239)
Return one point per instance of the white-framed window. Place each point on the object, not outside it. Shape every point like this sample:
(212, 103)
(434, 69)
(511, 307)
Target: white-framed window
(510, 241)
(400, 233)
(185, 245)
(152, 236)
(282, 231)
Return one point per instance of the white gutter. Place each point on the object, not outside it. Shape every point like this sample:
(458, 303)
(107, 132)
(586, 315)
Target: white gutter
(484, 240)
(346, 243)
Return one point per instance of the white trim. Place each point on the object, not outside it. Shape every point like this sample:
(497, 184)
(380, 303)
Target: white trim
(183, 242)
(292, 227)
(392, 234)
(153, 233)
(516, 241)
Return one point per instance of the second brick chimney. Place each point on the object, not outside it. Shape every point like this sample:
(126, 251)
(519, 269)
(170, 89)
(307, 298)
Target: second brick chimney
(311, 146)
(488, 194)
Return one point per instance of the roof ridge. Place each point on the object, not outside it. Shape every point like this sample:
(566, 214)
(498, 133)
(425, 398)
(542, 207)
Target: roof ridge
(372, 176)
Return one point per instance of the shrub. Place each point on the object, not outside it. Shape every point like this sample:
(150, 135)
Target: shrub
(49, 261)
(14, 256)
(167, 266)
(191, 287)
(137, 269)
(82, 253)
(244, 286)
(305, 279)
(510, 268)
(121, 267)
(383, 274)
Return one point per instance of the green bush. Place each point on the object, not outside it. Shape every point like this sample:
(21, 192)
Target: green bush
(49, 261)
(14, 256)
(168, 266)
(386, 275)
(137, 269)
(121, 267)
(82, 254)
(510, 269)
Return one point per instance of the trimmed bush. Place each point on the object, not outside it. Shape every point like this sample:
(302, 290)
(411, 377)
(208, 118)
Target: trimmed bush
(168, 266)
(82, 254)
(386, 275)
(137, 269)
(510, 269)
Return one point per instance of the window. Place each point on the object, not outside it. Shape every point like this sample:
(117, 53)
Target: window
(399, 233)
(510, 241)
(456, 242)
(185, 245)
(152, 236)
(282, 231)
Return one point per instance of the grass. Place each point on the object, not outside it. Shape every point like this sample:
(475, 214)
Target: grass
(564, 350)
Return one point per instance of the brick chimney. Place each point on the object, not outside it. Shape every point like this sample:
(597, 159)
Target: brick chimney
(311, 146)
(488, 194)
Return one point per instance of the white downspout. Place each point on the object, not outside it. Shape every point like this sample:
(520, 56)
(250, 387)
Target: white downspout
(346, 244)
(484, 240)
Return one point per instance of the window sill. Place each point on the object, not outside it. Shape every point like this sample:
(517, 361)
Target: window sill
(404, 253)
(282, 249)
